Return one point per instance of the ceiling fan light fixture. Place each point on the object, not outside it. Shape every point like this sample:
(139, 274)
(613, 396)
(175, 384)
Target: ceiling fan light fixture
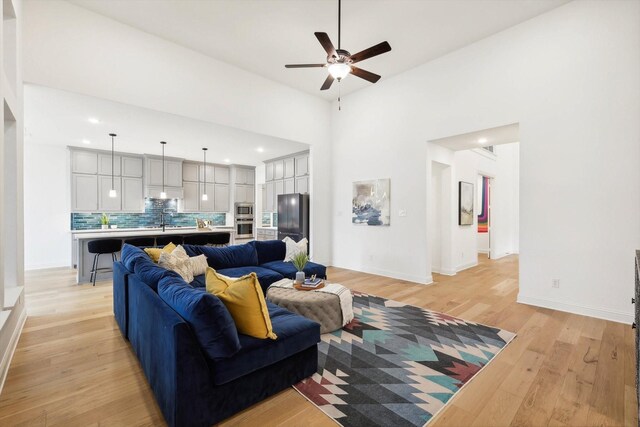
(339, 70)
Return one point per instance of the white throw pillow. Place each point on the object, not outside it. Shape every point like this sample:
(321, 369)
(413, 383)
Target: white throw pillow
(177, 261)
(198, 265)
(294, 248)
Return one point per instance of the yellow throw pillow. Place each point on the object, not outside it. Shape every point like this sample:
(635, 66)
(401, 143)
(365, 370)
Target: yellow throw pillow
(245, 301)
(154, 253)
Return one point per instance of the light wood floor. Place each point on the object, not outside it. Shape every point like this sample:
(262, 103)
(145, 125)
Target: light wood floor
(73, 368)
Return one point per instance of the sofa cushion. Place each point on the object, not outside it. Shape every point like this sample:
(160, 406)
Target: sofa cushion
(151, 273)
(199, 281)
(269, 250)
(295, 334)
(245, 301)
(130, 255)
(227, 257)
(265, 276)
(206, 314)
(288, 270)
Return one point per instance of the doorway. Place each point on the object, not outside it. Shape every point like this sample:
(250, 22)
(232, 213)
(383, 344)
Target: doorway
(484, 214)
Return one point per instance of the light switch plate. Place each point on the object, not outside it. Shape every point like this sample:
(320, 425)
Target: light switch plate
(402, 212)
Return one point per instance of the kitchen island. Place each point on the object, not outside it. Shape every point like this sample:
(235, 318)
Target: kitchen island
(83, 260)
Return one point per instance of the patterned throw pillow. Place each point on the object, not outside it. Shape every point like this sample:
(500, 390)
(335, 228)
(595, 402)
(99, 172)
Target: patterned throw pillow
(177, 261)
(154, 253)
(198, 264)
(294, 248)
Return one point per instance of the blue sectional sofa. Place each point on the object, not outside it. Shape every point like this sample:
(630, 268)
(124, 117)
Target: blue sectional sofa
(201, 370)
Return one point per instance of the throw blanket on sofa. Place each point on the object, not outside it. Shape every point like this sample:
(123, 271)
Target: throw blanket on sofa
(343, 293)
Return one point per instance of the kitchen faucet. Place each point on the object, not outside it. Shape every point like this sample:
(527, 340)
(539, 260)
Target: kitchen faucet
(163, 223)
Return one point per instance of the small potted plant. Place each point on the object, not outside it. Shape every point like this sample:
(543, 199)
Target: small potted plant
(104, 220)
(299, 261)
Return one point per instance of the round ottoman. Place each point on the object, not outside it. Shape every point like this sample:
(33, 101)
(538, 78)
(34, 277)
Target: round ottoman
(320, 307)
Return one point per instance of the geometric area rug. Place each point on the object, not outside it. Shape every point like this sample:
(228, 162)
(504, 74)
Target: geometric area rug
(396, 364)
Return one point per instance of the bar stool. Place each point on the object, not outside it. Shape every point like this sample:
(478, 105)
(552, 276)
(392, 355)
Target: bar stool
(196, 239)
(99, 247)
(141, 241)
(165, 240)
(219, 239)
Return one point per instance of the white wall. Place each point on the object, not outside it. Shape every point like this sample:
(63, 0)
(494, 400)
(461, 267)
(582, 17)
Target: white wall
(68, 47)
(47, 191)
(570, 78)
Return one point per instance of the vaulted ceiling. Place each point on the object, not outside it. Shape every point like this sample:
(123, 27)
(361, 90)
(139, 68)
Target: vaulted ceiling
(262, 35)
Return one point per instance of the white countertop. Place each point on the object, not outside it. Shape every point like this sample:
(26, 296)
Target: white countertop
(267, 228)
(134, 232)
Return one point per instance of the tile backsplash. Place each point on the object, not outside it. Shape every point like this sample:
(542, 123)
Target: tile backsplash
(150, 218)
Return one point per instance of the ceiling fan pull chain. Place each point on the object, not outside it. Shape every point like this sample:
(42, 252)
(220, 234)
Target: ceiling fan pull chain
(339, 87)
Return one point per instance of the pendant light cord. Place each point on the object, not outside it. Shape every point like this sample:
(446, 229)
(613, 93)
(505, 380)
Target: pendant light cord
(163, 143)
(112, 169)
(204, 169)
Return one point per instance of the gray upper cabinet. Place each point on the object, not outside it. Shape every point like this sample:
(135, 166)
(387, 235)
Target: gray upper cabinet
(245, 176)
(190, 201)
(268, 172)
(244, 193)
(302, 184)
(106, 203)
(132, 193)
(190, 171)
(173, 173)
(131, 167)
(154, 172)
(278, 169)
(84, 193)
(302, 165)
(84, 162)
(210, 173)
(221, 198)
(289, 186)
(104, 164)
(269, 189)
(221, 175)
(207, 205)
(289, 167)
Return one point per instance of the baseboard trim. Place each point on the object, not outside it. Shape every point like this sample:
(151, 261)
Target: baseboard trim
(483, 251)
(11, 348)
(614, 316)
(420, 280)
(466, 266)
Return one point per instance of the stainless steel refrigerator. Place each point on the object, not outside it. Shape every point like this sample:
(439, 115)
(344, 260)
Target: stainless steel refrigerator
(293, 216)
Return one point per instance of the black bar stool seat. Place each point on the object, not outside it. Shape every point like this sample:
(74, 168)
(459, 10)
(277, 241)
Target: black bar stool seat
(196, 239)
(100, 247)
(219, 239)
(165, 240)
(141, 241)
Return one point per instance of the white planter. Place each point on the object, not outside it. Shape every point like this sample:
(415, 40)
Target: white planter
(300, 277)
(105, 227)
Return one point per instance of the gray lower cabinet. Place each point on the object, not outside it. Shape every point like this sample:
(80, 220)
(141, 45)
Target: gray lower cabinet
(84, 193)
(221, 198)
(132, 193)
(267, 234)
(106, 203)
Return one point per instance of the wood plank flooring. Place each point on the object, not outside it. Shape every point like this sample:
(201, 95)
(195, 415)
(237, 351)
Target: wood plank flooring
(73, 368)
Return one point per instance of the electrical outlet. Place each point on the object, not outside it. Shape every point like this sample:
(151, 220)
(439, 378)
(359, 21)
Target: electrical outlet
(402, 212)
(555, 283)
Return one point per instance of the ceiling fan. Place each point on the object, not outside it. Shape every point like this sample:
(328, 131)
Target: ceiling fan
(340, 62)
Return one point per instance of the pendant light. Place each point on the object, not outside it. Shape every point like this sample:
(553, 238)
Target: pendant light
(112, 192)
(204, 169)
(163, 195)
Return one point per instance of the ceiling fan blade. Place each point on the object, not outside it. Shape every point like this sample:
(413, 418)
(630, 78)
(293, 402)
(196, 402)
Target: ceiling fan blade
(364, 74)
(376, 50)
(304, 65)
(327, 83)
(325, 41)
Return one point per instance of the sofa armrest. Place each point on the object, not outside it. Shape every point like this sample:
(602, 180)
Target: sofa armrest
(170, 357)
(120, 298)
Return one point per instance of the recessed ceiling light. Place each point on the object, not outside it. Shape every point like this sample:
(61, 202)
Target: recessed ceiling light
(86, 141)
(227, 160)
(260, 150)
(482, 141)
(93, 120)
